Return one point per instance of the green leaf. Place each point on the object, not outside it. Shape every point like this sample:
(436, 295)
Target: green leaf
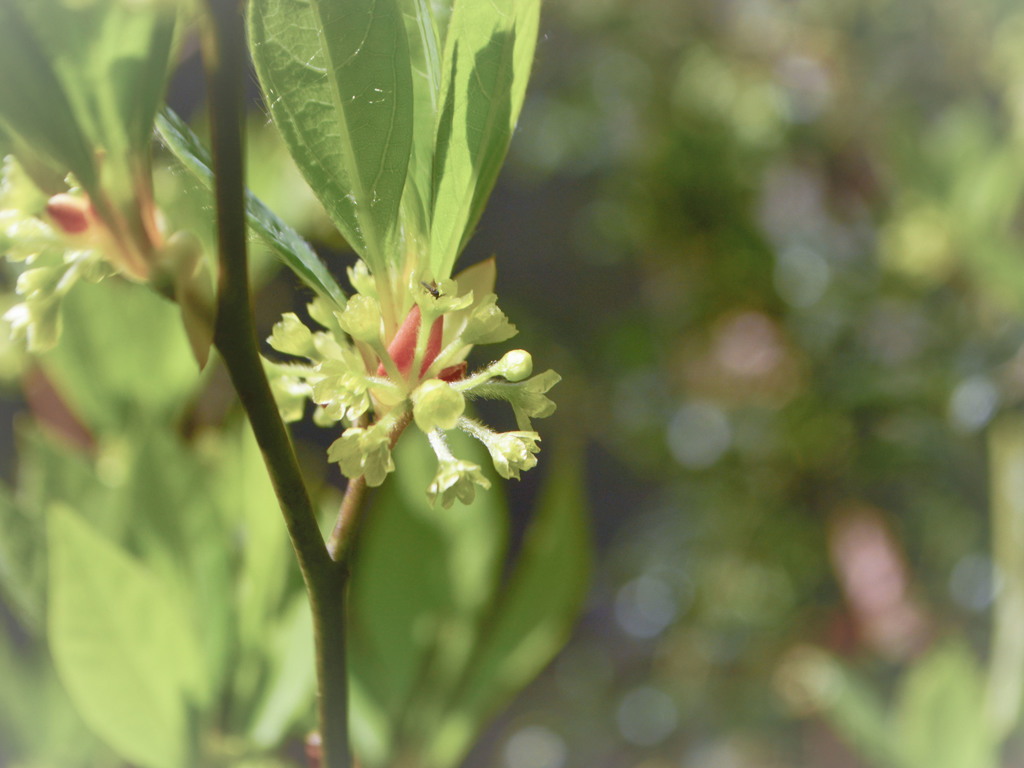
(336, 76)
(122, 648)
(535, 614)
(422, 579)
(113, 61)
(122, 353)
(292, 686)
(487, 58)
(34, 107)
(941, 718)
(426, 38)
(284, 242)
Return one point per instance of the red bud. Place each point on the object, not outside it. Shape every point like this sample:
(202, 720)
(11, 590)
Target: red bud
(73, 215)
(403, 346)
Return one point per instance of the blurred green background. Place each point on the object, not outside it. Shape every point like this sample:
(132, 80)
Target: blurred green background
(776, 249)
(776, 246)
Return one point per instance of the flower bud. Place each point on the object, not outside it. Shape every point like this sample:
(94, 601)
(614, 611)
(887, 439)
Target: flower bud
(487, 324)
(437, 405)
(513, 452)
(361, 279)
(291, 336)
(361, 318)
(363, 452)
(456, 479)
(72, 215)
(403, 346)
(515, 365)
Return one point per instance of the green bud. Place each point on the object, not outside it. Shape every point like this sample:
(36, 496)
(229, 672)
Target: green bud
(363, 452)
(290, 393)
(378, 462)
(340, 390)
(513, 452)
(515, 365)
(456, 479)
(347, 452)
(487, 324)
(22, 237)
(322, 310)
(35, 283)
(437, 405)
(38, 321)
(292, 337)
(361, 279)
(361, 319)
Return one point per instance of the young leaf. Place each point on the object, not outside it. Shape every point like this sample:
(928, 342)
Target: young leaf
(426, 38)
(487, 58)
(533, 618)
(122, 649)
(337, 79)
(285, 242)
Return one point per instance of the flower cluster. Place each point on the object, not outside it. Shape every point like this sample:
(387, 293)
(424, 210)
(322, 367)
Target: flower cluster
(374, 379)
(56, 240)
(61, 238)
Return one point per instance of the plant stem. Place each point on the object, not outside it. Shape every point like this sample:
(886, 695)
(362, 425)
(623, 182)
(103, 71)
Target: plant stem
(234, 337)
(348, 517)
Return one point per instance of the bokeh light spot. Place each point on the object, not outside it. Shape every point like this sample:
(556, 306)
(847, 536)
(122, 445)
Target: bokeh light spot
(535, 747)
(973, 584)
(646, 716)
(973, 403)
(801, 276)
(645, 607)
(698, 435)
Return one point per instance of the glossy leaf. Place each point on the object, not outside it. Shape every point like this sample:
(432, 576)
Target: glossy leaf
(422, 579)
(533, 617)
(123, 649)
(336, 76)
(487, 58)
(425, 31)
(284, 242)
